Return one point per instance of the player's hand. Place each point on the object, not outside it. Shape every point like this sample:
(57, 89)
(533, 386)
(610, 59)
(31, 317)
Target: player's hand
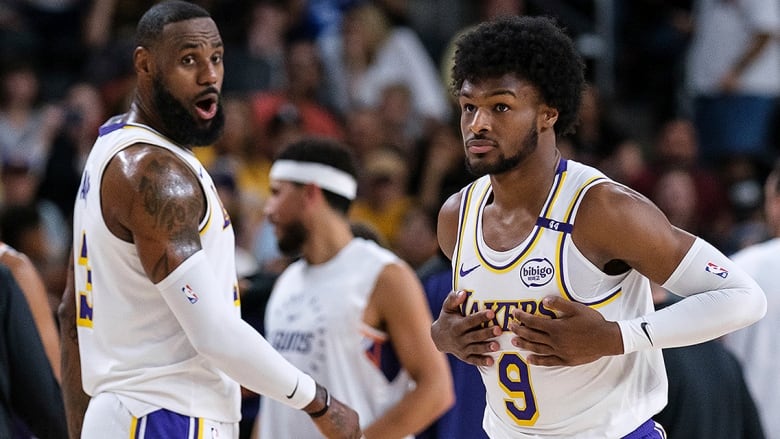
(339, 422)
(464, 336)
(579, 335)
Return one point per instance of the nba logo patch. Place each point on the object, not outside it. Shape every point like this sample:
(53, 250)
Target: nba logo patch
(717, 270)
(192, 296)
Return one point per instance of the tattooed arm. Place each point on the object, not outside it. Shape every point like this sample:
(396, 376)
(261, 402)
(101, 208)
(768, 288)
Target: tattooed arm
(153, 199)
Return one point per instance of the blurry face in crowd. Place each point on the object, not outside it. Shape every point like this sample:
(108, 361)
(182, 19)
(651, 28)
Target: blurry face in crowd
(186, 88)
(498, 123)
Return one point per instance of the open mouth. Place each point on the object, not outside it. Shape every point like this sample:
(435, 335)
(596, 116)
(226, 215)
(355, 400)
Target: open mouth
(206, 108)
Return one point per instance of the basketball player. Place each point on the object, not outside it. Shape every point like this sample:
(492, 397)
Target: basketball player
(162, 344)
(758, 346)
(551, 259)
(348, 312)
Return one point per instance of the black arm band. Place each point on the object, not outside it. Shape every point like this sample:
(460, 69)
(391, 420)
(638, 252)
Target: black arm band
(323, 410)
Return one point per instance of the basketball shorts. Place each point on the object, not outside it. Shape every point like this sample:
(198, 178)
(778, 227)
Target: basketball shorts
(107, 417)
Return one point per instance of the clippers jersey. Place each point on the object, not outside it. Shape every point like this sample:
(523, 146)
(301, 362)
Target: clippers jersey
(607, 398)
(314, 318)
(130, 342)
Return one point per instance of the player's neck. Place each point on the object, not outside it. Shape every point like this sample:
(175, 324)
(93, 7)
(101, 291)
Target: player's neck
(528, 182)
(327, 237)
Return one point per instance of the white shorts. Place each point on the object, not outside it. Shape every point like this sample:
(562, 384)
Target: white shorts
(107, 417)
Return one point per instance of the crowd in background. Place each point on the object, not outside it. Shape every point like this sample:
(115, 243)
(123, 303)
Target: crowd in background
(373, 74)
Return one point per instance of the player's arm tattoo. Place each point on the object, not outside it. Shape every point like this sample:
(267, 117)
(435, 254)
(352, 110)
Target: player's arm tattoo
(174, 200)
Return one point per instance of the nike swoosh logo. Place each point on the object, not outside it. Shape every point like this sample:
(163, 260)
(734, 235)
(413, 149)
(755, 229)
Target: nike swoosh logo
(644, 326)
(294, 390)
(464, 273)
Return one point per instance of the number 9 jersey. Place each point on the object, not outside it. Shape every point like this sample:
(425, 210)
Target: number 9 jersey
(535, 401)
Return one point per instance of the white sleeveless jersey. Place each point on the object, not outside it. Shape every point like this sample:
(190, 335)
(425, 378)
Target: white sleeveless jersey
(314, 317)
(130, 342)
(607, 398)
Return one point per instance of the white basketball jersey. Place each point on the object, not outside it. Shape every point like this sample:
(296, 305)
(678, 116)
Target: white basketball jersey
(315, 319)
(130, 342)
(607, 398)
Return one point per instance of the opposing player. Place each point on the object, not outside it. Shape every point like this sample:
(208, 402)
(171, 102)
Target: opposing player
(349, 312)
(551, 259)
(162, 344)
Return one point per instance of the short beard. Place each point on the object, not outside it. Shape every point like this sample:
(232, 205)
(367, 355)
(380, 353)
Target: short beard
(504, 164)
(291, 241)
(179, 124)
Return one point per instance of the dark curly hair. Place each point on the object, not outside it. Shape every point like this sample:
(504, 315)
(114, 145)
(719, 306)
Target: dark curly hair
(533, 48)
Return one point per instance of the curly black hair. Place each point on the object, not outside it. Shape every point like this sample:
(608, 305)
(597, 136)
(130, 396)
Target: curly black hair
(535, 49)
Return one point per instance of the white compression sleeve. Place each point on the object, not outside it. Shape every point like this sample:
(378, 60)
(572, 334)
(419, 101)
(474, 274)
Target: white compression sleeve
(719, 298)
(216, 331)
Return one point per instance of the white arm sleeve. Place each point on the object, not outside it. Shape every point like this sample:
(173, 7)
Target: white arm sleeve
(719, 298)
(218, 333)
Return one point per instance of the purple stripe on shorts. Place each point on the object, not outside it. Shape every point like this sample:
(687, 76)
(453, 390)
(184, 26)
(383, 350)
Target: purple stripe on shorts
(165, 424)
(648, 430)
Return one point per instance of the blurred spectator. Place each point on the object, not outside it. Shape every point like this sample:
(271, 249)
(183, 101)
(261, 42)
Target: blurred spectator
(758, 346)
(257, 61)
(438, 167)
(652, 33)
(675, 194)
(676, 147)
(626, 163)
(416, 242)
(28, 388)
(708, 396)
(301, 93)
(382, 200)
(370, 53)
(49, 32)
(84, 113)
(364, 131)
(598, 134)
(400, 125)
(733, 76)
(27, 128)
(742, 177)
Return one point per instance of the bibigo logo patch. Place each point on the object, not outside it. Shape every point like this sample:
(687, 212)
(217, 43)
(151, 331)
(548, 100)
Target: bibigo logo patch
(537, 272)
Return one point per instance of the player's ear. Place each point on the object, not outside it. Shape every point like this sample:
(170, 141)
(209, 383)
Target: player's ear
(142, 61)
(547, 117)
(311, 191)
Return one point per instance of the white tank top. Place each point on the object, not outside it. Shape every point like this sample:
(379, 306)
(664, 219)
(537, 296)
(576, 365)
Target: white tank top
(315, 319)
(130, 342)
(607, 398)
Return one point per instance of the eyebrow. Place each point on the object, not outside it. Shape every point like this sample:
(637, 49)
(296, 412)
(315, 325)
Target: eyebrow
(188, 45)
(502, 91)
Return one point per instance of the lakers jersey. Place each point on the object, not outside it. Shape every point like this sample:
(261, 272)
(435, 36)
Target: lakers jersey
(607, 398)
(130, 342)
(314, 318)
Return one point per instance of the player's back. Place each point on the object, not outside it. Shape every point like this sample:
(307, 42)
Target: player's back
(130, 342)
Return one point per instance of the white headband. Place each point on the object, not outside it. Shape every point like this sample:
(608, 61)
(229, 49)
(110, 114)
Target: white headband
(324, 176)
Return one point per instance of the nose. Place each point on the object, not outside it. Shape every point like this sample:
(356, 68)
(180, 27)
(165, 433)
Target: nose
(209, 74)
(480, 122)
